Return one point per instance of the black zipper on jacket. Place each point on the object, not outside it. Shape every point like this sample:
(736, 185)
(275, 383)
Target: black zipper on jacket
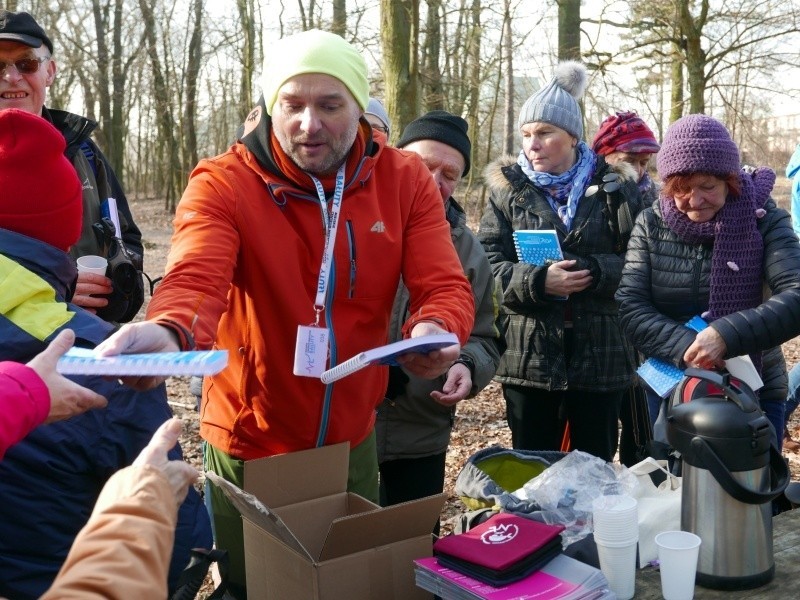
(698, 263)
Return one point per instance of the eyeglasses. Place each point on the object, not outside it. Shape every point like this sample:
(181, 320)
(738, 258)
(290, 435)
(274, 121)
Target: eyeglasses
(381, 129)
(25, 66)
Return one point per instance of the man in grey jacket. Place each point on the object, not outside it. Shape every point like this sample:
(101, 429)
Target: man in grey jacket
(414, 421)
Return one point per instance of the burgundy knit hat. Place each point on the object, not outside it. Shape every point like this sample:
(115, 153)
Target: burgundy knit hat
(624, 132)
(40, 193)
(697, 144)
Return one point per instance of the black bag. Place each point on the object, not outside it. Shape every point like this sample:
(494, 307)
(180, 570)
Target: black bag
(194, 575)
(124, 271)
(637, 430)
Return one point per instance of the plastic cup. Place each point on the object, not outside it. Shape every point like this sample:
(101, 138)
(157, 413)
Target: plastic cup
(615, 519)
(92, 264)
(618, 564)
(677, 556)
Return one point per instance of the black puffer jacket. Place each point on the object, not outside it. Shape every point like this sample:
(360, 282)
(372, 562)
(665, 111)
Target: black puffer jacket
(533, 322)
(665, 283)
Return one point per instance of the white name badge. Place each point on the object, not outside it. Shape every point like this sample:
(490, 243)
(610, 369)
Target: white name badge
(311, 351)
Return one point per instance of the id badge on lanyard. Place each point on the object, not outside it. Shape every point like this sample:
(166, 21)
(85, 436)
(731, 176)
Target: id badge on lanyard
(313, 341)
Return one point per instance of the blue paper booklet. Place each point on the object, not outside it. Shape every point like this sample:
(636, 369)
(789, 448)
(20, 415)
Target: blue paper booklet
(663, 376)
(82, 361)
(387, 355)
(537, 246)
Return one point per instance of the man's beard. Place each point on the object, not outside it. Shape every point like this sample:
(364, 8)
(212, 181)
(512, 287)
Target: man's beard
(339, 150)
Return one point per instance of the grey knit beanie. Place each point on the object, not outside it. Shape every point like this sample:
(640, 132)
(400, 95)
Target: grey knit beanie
(375, 108)
(557, 102)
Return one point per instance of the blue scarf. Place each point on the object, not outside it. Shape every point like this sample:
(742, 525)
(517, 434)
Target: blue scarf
(564, 191)
(644, 184)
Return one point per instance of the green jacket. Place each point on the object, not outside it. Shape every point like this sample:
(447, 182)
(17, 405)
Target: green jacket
(411, 424)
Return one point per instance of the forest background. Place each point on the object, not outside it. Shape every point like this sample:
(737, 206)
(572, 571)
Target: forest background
(170, 81)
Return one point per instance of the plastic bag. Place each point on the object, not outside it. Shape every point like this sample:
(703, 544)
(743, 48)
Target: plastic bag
(659, 507)
(565, 491)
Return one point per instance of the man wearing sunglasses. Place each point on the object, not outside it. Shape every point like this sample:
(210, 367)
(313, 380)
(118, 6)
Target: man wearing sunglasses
(27, 69)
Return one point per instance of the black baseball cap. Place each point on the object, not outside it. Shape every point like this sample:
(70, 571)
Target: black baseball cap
(23, 28)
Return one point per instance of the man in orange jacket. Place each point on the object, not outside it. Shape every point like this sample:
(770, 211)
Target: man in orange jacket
(302, 229)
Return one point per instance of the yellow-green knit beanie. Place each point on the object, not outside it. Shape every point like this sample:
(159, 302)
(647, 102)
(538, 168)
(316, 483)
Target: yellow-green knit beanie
(314, 51)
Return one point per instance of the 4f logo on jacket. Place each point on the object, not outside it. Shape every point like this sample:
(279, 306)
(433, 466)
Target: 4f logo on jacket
(378, 227)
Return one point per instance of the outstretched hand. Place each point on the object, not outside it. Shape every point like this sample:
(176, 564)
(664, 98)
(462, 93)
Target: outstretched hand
(456, 387)
(433, 364)
(141, 337)
(67, 398)
(179, 473)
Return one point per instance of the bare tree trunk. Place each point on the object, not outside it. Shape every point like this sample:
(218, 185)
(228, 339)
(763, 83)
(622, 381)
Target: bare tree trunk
(695, 55)
(489, 135)
(248, 21)
(569, 29)
(676, 78)
(339, 24)
(431, 77)
(400, 45)
(307, 15)
(474, 54)
(103, 88)
(117, 133)
(166, 120)
(509, 122)
(194, 60)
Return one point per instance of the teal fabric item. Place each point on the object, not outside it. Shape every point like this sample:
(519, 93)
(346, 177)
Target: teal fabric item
(489, 477)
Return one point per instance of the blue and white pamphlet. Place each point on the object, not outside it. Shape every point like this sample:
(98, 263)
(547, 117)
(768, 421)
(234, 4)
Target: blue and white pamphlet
(537, 246)
(662, 376)
(83, 361)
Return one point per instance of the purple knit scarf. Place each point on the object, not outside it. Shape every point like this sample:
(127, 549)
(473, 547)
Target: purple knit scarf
(737, 256)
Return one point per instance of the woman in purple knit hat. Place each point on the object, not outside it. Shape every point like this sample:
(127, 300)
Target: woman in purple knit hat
(710, 247)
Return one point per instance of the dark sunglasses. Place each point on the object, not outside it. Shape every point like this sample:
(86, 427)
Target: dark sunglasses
(26, 66)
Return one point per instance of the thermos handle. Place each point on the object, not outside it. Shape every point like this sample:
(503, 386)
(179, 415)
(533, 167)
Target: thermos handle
(736, 490)
(743, 401)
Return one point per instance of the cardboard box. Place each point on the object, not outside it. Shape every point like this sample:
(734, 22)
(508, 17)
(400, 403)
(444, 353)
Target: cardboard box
(320, 542)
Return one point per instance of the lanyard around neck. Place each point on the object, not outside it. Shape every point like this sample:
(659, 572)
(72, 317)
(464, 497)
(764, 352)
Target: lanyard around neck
(331, 223)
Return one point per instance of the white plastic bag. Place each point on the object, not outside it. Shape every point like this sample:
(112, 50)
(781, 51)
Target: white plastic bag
(566, 490)
(659, 507)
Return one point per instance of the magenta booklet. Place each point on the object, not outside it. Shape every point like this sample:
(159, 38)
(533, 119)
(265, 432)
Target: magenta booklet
(500, 542)
(540, 585)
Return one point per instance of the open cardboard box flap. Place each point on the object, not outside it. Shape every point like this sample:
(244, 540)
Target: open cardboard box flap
(380, 527)
(298, 476)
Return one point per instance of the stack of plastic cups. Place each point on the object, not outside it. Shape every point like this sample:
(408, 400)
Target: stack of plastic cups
(616, 533)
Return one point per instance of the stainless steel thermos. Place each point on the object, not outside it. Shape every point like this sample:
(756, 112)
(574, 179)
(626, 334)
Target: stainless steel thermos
(731, 473)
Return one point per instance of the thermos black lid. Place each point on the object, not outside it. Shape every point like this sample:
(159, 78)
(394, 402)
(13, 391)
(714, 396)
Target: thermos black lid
(727, 417)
